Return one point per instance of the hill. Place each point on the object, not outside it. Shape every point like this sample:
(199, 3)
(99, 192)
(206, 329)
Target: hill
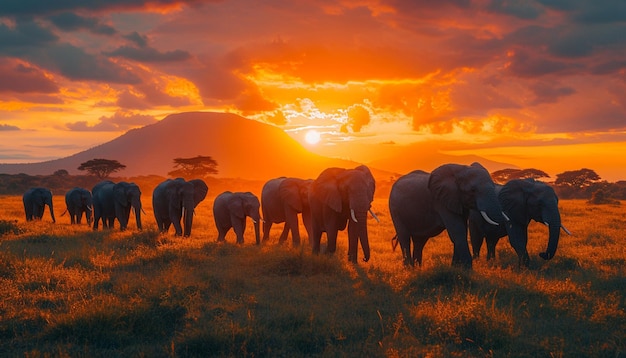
(243, 148)
(405, 159)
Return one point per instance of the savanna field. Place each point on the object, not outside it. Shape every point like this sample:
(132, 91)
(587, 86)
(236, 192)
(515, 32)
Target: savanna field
(70, 291)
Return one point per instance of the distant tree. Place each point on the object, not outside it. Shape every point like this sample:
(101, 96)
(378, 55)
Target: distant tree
(196, 167)
(101, 167)
(61, 173)
(504, 175)
(577, 179)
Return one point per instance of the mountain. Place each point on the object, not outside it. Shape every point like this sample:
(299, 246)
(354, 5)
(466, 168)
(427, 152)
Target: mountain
(422, 156)
(243, 148)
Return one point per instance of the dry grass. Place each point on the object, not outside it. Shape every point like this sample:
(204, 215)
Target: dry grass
(69, 291)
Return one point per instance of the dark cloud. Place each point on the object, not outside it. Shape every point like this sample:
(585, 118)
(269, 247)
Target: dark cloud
(520, 9)
(149, 54)
(149, 95)
(20, 8)
(8, 127)
(549, 93)
(524, 64)
(137, 38)
(120, 121)
(21, 78)
(15, 40)
(68, 21)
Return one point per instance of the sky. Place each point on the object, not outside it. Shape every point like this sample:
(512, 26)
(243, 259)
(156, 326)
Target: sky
(537, 84)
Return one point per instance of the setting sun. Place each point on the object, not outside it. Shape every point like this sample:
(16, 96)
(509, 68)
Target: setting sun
(312, 136)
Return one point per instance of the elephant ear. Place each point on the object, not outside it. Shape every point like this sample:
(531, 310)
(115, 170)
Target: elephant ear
(235, 206)
(119, 193)
(289, 192)
(514, 197)
(443, 185)
(200, 190)
(326, 188)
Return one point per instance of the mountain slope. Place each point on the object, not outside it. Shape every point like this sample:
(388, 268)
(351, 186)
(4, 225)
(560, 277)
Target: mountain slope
(242, 147)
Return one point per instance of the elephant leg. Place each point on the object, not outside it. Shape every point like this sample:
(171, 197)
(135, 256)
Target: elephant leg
(267, 226)
(222, 229)
(331, 247)
(239, 226)
(283, 235)
(457, 230)
(418, 248)
(518, 237)
(291, 224)
(315, 238)
(79, 217)
(491, 248)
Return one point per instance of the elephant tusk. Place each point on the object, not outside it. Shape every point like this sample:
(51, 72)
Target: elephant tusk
(565, 229)
(352, 215)
(374, 216)
(90, 208)
(253, 221)
(546, 224)
(487, 218)
(505, 217)
(143, 211)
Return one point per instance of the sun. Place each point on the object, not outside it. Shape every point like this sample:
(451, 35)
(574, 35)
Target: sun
(312, 136)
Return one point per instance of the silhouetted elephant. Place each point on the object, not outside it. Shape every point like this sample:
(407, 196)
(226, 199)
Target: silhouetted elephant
(338, 198)
(282, 199)
(79, 201)
(113, 201)
(230, 211)
(176, 199)
(422, 205)
(35, 201)
(522, 200)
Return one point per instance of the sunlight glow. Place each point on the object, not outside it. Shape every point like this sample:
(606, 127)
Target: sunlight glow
(312, 136)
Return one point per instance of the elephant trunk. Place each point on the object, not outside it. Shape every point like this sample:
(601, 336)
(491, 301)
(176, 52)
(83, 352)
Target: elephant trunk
(52, 211)
(137, 208)
(553, 240)
(357, 232)
(257, 233)
(187, 218)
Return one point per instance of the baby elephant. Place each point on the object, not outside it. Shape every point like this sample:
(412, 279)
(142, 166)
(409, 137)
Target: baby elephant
(230, 211)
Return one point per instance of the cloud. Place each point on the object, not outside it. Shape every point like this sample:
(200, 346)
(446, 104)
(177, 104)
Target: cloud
(358, 117)
(68, 21)
(43, 7)
(137, 38)
(120, 121)
(149, 54)
(18, 77)
(8, 127)
(549, 93)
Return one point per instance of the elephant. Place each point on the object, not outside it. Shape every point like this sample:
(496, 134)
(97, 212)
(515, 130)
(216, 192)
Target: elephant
(176, 199)
(422, 205)
(35, 201)
(521, 200)
(341, 197)
(79, 201)
(113, 201)
(230, 211)
(282, 199)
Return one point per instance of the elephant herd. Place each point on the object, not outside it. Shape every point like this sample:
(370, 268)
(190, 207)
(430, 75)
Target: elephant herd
(453, 197)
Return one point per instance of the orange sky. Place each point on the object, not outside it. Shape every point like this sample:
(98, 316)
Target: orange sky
(533, 83)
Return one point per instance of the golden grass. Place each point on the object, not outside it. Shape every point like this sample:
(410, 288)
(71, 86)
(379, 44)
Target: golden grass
(69, 291)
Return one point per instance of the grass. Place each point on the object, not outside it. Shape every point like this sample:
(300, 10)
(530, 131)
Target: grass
(69, 291)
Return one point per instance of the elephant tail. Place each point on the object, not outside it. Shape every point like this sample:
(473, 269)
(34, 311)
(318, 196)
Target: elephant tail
(394, 242)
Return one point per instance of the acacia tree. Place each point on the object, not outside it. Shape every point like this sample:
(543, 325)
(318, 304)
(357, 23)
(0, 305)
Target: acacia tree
(504, 175)
(576, 183)
(195, 167)
(101, 167)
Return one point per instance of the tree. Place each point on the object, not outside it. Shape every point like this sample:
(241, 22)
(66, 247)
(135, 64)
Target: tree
(504, 175)
(196, 167)
(101, 167)
(577, 179)
(61, 173)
